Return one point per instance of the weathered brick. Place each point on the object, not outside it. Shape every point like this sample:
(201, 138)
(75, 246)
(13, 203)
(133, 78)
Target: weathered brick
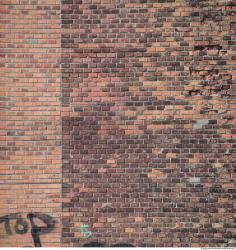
(117, 123)
(168, 82)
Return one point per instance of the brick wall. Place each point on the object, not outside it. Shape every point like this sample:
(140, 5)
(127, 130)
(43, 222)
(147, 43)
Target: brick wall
(30, 166)
(126, 110)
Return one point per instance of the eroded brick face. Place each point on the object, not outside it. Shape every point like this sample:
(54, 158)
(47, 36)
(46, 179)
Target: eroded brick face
(125, 110)
(148, 119)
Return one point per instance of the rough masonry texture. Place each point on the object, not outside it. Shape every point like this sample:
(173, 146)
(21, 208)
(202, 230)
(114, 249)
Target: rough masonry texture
(30, 130)
(118, 121)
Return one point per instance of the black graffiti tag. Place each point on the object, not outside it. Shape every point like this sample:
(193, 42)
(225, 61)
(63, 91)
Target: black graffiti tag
(16, 216)
(36, 231)
(22, 227)
(98, 244)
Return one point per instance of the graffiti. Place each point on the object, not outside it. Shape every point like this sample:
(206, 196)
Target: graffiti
(84, 230)
(122, 245)
(98, 244)
(21, 226)
(93, 244)
(36, 231)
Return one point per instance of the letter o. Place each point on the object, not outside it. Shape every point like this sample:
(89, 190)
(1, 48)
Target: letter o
(24, 225)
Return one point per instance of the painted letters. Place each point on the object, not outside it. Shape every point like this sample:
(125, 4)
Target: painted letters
(98, 244)
(22, 226)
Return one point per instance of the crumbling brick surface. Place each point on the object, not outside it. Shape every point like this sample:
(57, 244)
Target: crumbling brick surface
(148, 90)
(118, 123)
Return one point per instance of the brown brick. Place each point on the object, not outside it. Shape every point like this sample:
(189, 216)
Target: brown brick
(117, 123)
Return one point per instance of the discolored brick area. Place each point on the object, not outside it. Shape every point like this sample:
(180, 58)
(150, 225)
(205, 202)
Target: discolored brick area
(118, 122)
(148, 121)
